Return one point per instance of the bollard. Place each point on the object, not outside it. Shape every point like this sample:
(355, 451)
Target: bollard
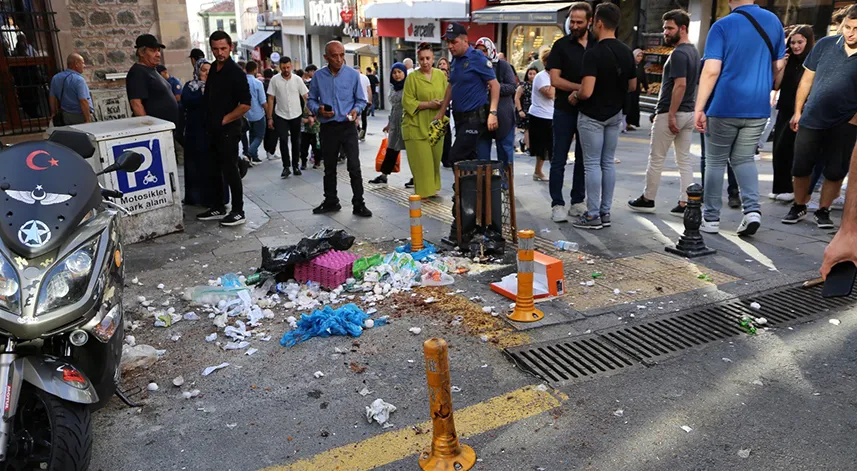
(446, 453)
(525, 308)
(690, 244)
(415, 206)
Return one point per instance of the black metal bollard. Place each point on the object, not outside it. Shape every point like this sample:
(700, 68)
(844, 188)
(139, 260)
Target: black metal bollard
(691, 244)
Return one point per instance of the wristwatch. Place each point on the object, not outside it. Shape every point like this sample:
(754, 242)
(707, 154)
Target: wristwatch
(493, 112)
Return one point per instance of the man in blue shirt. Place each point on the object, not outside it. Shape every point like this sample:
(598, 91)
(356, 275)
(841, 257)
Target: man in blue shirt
(825, 105)
(69, 93)
(256, 115)
(470, 75)
(336, 97)
(743, 53)
(175, 83)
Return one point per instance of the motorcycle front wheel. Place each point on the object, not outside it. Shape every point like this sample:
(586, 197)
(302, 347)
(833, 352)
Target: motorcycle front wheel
(50, 433)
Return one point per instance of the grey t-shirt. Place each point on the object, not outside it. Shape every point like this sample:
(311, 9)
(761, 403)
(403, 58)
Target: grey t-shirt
(682, 62)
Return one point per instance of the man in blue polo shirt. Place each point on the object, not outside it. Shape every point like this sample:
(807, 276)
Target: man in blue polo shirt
(823, 124)
(69, 94)
(743, 53)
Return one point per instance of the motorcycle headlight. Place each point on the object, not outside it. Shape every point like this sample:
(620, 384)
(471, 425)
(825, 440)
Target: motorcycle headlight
(10, 294)
(66, 283)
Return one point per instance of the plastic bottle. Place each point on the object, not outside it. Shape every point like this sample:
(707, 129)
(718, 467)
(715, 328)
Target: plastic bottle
(566, 246)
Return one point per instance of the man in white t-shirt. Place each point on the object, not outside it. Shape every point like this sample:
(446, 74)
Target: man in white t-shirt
(367, 94)
(285, 112)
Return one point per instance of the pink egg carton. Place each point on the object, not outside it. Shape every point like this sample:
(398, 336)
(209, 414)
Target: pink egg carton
(329, 270)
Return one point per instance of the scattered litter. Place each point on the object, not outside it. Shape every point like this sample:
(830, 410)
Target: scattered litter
(415, 330)
(138, 356)
(190, 316)
(212, 369)
(231, 426)
(211, 337)
(356, 367)
(236, 345)
(761, 320)
(597, 274)
(318, 374)
(369, 324)
(135, 281)
(705, 277)
(542, 388)
(758, 382)
(379, 411)
(483, 338)
(619, 412)
(190, 394)
(178, 381)
(175, 337)
(345, 320)
(160, 286)
(152, 387)
(455, 389)
(251, 351)
(686, 428)
(617, 291)
(430, 300)
(364, 392)
(834, 321)
(755, 306)
(727, 360)
(130, 340)
(745, 453)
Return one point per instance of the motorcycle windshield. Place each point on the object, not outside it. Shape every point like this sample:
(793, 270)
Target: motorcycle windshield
(46, 190)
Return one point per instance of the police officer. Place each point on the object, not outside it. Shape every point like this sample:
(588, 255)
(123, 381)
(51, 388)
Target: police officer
(470, 74)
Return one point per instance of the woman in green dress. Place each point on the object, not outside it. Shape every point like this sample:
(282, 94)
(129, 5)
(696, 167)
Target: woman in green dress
(424, 91)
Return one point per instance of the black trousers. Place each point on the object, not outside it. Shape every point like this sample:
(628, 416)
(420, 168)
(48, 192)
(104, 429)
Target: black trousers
(307, 140)
(784, 154)
(224, 149)
(389, 162)
(287, 128)
(339, 136)
(363, 118)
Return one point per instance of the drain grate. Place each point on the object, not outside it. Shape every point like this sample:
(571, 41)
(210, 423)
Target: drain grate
(646, 342)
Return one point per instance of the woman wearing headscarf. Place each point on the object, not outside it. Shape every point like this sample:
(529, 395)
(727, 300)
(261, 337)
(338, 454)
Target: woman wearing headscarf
(799, 43)
(395, 141)
(197, 166)
(504, 136)
(632, 102)
(424, 92)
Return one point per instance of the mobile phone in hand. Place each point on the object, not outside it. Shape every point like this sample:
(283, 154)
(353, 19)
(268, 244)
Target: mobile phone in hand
(840, 280)
(327, 108)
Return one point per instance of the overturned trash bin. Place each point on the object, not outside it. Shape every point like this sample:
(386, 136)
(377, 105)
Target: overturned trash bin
(484, 203)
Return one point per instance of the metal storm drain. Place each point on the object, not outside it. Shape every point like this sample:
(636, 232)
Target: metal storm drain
(646, 342)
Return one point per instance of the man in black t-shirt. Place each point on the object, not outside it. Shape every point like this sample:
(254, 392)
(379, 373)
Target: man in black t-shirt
(148, 92)
(609, 74)
(227, 96)
(564, 65)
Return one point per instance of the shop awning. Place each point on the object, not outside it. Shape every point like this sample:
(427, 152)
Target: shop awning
(256, 38)
(417, 9)
(539, 13)
(360, 48)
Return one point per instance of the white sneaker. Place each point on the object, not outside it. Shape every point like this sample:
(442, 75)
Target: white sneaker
(576, 210)
(558, 214)
(750, 224)
(838, 203)
(786, 197)
(710, 227)
(773, 196)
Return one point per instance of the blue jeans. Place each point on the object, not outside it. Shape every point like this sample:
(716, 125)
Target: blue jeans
(732, 188)
(599, 140)
(564, 130)
(257, 134)
(505, 147)
(731, 141)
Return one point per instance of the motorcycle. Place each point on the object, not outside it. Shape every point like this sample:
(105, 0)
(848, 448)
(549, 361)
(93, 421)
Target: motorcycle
(61, 317)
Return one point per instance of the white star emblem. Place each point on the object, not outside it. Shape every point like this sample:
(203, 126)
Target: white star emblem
(34, 234)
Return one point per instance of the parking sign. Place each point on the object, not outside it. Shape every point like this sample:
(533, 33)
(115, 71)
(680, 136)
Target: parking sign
(151, 172)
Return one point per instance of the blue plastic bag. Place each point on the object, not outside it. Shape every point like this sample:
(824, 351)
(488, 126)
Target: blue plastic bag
(345, 320)
(418, 256)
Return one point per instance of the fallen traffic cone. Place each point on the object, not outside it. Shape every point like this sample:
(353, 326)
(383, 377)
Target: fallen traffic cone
(446, 454)
(525, 308)
(415, 206)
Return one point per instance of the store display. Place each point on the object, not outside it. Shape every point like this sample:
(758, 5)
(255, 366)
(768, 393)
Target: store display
(655, 69)
(659, 50)
(654, 88)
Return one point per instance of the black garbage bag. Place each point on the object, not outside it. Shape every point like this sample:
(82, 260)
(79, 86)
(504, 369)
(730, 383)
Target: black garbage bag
(282, 260)
(489, 243)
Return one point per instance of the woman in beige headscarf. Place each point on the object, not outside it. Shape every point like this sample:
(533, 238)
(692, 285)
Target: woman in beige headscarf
(632, 103)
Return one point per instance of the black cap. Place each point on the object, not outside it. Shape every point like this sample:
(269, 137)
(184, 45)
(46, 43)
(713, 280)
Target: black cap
(148, 40)
(454, 30)
(196, 54)
(160, 68)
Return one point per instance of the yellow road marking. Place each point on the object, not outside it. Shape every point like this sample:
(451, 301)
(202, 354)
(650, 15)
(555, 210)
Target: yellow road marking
(399, 444)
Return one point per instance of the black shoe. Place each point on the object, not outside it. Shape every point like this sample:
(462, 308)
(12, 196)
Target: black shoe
(822, 218)
(796, 214)
(379, 179)
(642, 205)
(296, 171)
(362, 134)
(285, 173)
(303, 166)
(326, 208)
(735, 201)
(361, 211)
(243, 166)
(410, 183)
(211, 215)
(255, 160)
(316, 165)
(233, 219)
(678, 210)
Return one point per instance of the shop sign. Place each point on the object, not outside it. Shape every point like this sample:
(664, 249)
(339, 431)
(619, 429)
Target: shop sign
(419, 30)
(328, 13)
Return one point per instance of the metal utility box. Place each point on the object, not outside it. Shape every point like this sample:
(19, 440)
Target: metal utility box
(151, 193)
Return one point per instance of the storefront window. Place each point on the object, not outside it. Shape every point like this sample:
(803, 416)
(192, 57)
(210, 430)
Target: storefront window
(527, 40)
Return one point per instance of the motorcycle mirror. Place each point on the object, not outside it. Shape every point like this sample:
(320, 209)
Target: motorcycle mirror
(127, 161)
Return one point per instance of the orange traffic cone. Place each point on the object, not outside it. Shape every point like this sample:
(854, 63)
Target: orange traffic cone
(415, 206)
(525, 308)
(446, 454)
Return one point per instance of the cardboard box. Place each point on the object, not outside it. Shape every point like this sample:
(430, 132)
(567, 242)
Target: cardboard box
(547, 271)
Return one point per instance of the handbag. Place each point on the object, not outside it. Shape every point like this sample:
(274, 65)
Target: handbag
(58, 119)
(382, 154)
